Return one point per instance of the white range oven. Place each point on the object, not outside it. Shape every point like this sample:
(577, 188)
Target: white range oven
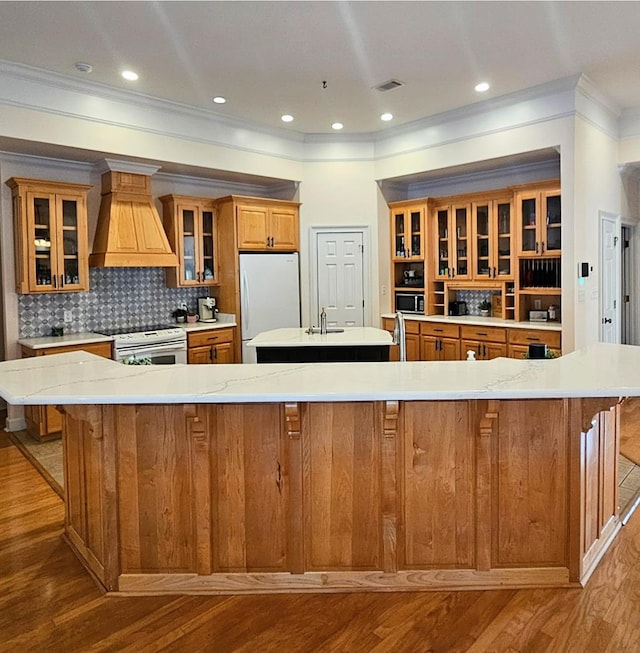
(160, 344)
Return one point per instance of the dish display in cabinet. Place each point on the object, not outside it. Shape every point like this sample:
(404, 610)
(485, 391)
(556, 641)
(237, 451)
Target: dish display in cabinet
(51, 242)
(191, 230)
(492, 247)
(453, 241)
(539, 220)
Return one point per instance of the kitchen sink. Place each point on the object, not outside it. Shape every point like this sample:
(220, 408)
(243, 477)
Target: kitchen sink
(314, 330)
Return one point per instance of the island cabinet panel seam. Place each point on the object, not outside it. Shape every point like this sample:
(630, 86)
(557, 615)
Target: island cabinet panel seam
(388, 483)
(198, 428)
(294, 471)
(486, 414)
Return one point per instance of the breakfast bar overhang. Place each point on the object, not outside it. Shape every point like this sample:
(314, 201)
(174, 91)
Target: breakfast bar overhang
(337, 477)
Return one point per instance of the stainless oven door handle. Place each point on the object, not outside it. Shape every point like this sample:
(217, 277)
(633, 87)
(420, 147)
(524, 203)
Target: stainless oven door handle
(151, 349)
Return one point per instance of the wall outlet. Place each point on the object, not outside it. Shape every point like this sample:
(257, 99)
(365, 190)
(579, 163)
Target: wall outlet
(68, 317)
(537, 304)
(383, 290)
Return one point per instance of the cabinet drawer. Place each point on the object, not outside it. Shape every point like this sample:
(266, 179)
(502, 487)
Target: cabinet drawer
(209, 337)
(440, 329)
(410, 326)
(493, 334)
(527, 336)
(99, 348)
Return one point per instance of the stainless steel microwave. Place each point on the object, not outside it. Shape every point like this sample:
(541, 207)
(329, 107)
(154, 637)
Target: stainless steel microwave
(410, 302)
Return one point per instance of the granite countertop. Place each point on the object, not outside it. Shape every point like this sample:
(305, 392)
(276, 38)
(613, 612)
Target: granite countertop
(477, 320)
(599, 370)
(350, 337)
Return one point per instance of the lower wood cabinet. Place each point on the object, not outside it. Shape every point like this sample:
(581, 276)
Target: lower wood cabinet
(439, 342)
(341, 496)
(412, 340)
(520, 339)
(486, 342)
(447, 341)
(45, 422)
(211, 346)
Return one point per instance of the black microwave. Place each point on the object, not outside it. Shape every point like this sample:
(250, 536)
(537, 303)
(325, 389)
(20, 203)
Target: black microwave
(409, 302)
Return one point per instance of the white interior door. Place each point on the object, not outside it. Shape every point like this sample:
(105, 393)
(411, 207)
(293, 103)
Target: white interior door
(340, 277)
(609, 279)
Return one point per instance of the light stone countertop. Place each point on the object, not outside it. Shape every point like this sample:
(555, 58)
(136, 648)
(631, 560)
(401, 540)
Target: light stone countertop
(297, 337)
(477, 320)
(599, 370)
(224, 320)
(64, 341)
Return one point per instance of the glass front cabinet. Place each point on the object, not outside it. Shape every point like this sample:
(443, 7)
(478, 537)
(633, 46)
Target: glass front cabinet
(492, 252)
(50, 223)
(190, 226)
(407, 225)
(539, 220)
(453, 241)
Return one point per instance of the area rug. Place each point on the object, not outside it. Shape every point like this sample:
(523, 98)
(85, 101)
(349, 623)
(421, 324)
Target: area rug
(46, 457)
(630, 429)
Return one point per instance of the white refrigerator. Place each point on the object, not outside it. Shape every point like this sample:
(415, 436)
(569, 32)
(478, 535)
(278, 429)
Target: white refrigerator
(269, 296)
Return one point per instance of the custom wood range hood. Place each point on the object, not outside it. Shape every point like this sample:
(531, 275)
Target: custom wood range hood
(129, 232)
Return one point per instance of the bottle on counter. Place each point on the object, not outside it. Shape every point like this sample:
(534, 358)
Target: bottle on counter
(323, 321)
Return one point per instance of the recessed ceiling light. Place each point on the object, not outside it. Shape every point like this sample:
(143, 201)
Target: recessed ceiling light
(337, 125)
(218, 99)
(482, 87)
(130, 75)
(84, 67)
(287, 118)
(386, 117)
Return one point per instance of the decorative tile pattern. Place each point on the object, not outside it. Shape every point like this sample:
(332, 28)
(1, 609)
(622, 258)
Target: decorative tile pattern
(119, 297)
(473, 299)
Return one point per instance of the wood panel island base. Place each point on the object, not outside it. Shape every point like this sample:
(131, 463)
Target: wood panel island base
(341, 496)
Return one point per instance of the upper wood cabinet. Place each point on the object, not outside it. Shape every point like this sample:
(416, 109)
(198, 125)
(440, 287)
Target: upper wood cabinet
(453, 241)
(408, 232)
(191, 230)
(539, 220)
(271, 227)
(492, 250)
(50, 231)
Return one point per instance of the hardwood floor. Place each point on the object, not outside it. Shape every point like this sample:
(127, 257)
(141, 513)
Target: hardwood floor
(49, 603)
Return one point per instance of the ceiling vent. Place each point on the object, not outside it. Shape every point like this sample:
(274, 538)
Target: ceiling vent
(388, 86)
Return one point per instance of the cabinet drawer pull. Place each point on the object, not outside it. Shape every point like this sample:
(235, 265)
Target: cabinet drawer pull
(438, 330)
(534, 339)
(481, 333)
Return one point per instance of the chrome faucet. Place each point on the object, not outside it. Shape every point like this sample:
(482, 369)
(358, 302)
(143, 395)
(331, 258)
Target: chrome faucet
(399, 335)
(323, 322)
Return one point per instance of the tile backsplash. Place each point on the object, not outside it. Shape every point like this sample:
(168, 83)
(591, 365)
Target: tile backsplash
(119, 297)
(473, 299)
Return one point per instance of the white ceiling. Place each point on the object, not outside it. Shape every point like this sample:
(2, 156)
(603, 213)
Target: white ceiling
(270, 58)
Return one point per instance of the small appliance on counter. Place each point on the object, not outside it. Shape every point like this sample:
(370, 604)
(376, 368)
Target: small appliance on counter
(207, 309)
(458, 308)
(537, 316)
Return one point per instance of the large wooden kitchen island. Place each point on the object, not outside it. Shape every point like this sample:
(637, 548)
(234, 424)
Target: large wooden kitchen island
(337, 477)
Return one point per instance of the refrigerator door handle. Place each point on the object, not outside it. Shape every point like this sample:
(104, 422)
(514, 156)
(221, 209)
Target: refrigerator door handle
(244, 305)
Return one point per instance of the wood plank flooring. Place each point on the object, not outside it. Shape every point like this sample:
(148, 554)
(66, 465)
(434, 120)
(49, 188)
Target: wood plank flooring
(48, 603)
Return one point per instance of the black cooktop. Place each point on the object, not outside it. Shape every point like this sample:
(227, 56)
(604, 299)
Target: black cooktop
(118, 331)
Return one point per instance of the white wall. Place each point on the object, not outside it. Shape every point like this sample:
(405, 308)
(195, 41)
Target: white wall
(338, 194)
(598, 187)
